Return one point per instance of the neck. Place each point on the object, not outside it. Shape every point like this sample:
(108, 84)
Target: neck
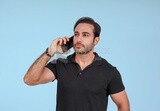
(85, 59)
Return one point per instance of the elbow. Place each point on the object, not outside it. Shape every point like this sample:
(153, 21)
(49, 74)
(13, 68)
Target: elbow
(28, 81)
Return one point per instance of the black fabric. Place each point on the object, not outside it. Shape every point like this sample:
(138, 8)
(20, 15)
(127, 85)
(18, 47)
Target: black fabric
(85, 90)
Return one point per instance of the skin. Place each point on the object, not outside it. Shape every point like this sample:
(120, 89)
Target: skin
(83, 43)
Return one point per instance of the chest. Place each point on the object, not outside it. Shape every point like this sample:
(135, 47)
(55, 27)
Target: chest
(93, 79)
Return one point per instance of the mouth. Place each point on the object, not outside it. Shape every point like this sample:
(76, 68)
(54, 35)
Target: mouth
(78, 45)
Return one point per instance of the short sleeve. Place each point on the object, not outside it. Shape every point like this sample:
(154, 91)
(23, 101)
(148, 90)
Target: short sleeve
(116, 84)
(52, 66)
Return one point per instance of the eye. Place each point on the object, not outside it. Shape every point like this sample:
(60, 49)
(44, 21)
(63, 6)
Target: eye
(75, 34)
(85, 35)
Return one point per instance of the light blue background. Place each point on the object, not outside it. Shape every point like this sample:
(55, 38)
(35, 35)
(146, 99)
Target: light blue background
(130, 40)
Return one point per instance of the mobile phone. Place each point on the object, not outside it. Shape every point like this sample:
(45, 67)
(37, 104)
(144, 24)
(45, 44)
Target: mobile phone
(68, 45)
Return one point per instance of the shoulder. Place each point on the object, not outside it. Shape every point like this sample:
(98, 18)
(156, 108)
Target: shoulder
(59, 61)
(63, 60)
(109, 68)
(107, 64)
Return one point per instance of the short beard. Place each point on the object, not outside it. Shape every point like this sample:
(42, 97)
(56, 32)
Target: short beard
(89, 49)
(83, 52)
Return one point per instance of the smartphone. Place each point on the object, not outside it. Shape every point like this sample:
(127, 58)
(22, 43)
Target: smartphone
(68, 45)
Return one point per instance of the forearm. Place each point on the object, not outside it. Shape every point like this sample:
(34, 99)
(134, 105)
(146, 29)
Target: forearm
(36, 70)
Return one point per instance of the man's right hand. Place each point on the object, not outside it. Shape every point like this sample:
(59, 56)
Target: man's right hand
(56, 46)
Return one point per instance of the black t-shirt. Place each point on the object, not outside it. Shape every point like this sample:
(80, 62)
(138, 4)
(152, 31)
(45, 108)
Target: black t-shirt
(84, 90)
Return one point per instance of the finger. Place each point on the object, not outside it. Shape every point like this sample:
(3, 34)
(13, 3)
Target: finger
(65, 40)
(60, 41)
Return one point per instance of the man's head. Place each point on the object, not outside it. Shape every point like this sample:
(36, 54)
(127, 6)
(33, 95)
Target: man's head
(97, 28)
(86, 35)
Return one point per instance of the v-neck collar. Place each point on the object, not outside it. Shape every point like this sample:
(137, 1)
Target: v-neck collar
(97, 60)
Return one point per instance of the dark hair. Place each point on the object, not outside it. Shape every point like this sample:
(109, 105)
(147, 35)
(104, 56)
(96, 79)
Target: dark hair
(97, 28)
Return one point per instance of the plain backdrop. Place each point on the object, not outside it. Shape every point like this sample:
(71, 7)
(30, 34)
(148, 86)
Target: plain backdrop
(130, 40)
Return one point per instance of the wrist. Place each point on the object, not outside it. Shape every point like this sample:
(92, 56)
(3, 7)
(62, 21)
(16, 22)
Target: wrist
(47, 53)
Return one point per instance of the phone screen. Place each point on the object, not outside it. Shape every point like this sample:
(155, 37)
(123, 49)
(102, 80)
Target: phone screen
(68, 45)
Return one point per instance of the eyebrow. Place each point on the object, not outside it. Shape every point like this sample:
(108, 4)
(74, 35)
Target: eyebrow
(86, 32)
(82, 32)
(76, 32)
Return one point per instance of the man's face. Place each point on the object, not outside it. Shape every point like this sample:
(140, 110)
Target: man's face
(83, 38)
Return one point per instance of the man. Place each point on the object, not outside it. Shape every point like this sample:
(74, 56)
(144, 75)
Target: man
(84, 79)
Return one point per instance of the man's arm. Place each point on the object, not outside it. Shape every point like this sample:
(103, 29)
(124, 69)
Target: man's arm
(38, 73)
(121, 100)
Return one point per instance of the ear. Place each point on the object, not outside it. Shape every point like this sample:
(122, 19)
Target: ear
(96, 40)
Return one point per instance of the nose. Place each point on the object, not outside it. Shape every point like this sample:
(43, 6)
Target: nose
(79, 38)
